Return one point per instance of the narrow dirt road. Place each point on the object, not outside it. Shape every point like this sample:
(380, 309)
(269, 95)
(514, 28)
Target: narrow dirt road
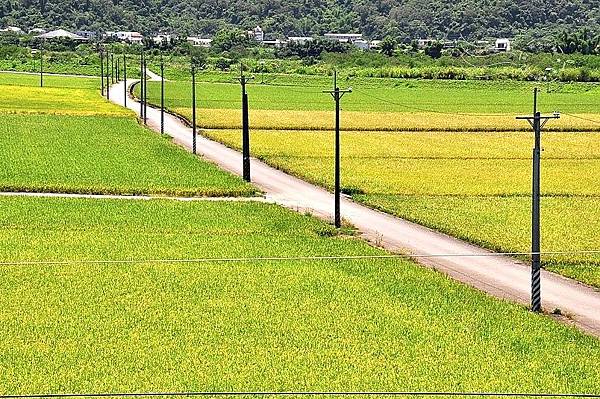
(497, 275)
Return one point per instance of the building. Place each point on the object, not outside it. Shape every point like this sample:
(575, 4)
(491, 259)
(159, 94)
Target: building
(163, 39)
(88, 34)
(344, 37)
(361, 44)
(502, 45)
(375, 45)
(61, 34)
(422, 43)
(300, 39)
(277, 43)
(13, 29)
(257, 34)
(131, 37)
(199, 42)
(37, 31)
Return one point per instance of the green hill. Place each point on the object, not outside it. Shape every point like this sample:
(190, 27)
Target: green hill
(376, 18)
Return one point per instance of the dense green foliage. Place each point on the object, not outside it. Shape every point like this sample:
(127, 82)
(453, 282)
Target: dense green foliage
(406, 19)
(251, 326)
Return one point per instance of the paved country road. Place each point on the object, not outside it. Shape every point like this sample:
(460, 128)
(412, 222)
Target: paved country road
(497, 275)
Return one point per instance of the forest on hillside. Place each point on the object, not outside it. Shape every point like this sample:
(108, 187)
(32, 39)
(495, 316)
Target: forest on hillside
(401, 19)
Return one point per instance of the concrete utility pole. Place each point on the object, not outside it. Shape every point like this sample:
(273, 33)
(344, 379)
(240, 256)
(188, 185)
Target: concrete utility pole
(145, 91)
(162, 94)
(193, 107)
(142, 84)
(102, 70)
(42, 63)
(107, 75)
(245, 126)
(337, 95)
(537, 122)
(124, 79)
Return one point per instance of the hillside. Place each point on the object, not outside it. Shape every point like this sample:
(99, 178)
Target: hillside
(376, 18)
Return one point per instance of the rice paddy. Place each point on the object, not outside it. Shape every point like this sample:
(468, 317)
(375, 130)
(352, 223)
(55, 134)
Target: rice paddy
(222, 326)
(66, 138)
(401, 105)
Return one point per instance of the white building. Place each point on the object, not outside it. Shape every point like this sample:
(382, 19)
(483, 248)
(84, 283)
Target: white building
(131, 37)
(361, 44)
(13, 29)
(60, 34)
(344, 37)
(502, 45)
(375, 45)
(37, 31)
(257, 34)
(299, 39)
(422, 43)
(199, 42)
(277, 43)
(163, 39)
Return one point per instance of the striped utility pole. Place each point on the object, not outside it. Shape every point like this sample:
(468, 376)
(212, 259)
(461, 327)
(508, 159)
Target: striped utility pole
(537, 122)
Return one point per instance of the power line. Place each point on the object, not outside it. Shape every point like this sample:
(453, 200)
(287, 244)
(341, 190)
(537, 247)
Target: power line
(427, 110)
(582, 118)
(306, 393)
(294, 258)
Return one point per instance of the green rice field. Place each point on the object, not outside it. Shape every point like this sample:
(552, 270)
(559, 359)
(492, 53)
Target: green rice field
(66, 138)
(387, 104)
(264, 325)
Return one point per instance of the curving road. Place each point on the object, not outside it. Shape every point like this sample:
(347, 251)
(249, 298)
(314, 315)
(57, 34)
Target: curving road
(497, 275)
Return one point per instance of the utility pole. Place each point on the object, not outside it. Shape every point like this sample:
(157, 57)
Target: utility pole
(42, 63)
(193, 107)
(145, 92)
(107, 75)
(245, 126)
(162, 94)
(102, 70)
(537, 122)
(337, 95)
(112, 69)
(124, 79)
(142, 84)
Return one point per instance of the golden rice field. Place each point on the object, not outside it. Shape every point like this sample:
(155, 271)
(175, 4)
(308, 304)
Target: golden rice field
(475, 186)
(18, 99)
(226, 118)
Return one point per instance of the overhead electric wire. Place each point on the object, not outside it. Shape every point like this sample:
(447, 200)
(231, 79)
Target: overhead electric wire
(306, 393)
(425, 109)
(294, 258)
(582, 118)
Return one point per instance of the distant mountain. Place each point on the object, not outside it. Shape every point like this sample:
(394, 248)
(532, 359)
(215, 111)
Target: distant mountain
(375, 18)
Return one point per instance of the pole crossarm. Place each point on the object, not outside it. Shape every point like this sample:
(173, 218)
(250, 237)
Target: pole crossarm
(543, 118)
